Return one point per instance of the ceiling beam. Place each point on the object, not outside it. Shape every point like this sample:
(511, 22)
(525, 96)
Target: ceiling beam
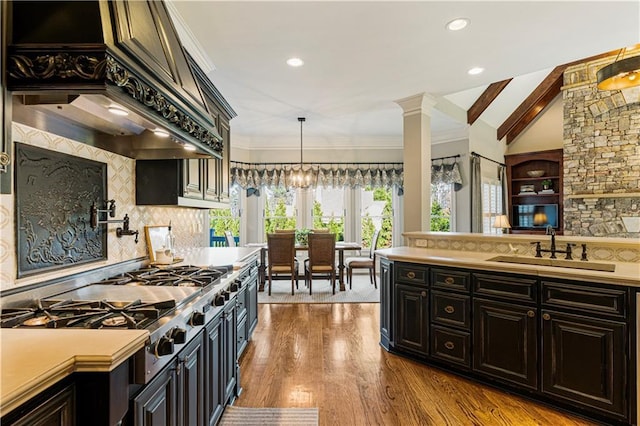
(485, 99)
(536, 102)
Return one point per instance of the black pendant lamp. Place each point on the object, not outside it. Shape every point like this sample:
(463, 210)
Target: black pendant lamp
(621, 74)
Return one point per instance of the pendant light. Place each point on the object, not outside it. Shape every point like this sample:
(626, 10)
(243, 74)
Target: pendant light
(301, 179)
(621, 74)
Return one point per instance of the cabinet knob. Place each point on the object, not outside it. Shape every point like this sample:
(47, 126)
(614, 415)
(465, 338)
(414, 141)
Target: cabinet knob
(423, 294)
(449, 309)
(449, 280)
(449, 345)
(531, 314)
(546, 317)
(411, 274)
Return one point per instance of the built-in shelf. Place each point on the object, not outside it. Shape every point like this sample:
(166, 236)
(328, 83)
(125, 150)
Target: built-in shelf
(541, 178)
(555, 194)
(617, 195)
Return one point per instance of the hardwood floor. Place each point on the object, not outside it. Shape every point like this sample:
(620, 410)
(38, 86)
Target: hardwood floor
(328, 356)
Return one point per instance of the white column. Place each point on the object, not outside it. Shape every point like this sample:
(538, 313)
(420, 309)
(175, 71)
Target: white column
(417, 160)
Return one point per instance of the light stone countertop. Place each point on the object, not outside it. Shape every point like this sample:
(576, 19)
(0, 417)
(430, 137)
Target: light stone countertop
(217, 256)
(34, 359)
(626, 273)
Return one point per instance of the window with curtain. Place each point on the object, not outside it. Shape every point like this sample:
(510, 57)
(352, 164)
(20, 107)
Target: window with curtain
(491, 204)
(279, 209)
(226, 219)
(376, 212)
(328, 210)
(442, 208)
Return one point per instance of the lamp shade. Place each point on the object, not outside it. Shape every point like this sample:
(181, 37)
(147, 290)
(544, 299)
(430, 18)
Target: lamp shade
(502, 221)
(620, 74)
(540, 218)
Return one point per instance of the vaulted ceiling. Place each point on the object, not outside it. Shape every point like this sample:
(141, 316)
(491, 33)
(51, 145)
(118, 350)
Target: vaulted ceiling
(362, 56)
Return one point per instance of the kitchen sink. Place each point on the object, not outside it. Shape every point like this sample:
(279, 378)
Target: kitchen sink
(561, 263)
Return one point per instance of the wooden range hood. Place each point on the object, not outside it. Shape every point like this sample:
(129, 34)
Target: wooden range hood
(67, 62)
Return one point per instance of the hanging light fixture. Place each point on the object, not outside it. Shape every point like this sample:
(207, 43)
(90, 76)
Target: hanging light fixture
(621, 74)
(301, 179)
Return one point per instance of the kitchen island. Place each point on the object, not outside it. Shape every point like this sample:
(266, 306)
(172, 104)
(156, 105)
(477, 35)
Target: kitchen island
(48, 372)
(565, 336)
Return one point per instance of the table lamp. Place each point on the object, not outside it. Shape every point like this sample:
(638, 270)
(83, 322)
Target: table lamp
(502, 221)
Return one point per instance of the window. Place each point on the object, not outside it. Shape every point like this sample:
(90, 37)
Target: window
(376, 212)
(279, 209)
(491, 204)
(329, 210)
(442, 200)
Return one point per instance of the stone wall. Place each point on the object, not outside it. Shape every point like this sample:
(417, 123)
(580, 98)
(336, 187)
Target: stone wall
(601, 155)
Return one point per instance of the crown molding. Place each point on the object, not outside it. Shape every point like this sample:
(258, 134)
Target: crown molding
(416, 104)
(188, 40)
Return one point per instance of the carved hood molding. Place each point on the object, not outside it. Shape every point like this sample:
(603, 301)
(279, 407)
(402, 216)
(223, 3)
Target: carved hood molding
(68, 62)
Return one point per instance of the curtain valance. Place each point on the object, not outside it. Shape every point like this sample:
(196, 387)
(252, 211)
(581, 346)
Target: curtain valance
(376, 175)
(446, 173)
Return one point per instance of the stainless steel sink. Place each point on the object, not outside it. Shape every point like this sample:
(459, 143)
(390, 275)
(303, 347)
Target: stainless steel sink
(561, 263)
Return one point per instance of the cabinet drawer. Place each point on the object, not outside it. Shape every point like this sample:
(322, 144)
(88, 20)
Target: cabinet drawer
(517, 288)
(450, 309)
(451, 346)
(585, 297)
(450, 279)
(413, 274)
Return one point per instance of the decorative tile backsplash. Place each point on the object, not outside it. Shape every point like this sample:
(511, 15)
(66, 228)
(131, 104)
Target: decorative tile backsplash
(190, 226)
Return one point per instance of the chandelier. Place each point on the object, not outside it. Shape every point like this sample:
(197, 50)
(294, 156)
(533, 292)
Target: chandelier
(302, 178)
(621, 74)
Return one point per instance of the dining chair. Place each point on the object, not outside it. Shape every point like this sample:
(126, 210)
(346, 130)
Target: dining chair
(281, 250)
(320, 231)
(231, 242)
(284, 231)
(322, 259)
(364, 262)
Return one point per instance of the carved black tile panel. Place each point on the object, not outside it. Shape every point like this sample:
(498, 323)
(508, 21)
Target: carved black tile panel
(53, 195)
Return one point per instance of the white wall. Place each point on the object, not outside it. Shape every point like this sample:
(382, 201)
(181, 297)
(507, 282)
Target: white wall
(544, 133)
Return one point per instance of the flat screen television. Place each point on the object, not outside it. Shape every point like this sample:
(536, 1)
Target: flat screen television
(535, 215)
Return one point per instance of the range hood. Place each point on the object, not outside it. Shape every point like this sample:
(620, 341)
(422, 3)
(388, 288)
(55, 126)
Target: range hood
(69, 64)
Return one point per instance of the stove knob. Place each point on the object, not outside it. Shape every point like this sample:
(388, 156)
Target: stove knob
(164, 346)
(219, 300)
(233, 287)
(197, 318)
(179, 335)
(226, 295)
(239, 282)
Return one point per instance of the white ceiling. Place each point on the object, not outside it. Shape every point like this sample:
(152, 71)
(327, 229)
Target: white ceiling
(361, 56)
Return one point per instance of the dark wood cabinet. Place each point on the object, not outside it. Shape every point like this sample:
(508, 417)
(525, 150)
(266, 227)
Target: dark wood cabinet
(157, 404)
(230, 348)
(191, 383)
(584, 361)
(505, 341)
(386, 303)
(215, 353)
(56, 410)
(192, 180)
(535, 201)
(252, 302)
(411, 331)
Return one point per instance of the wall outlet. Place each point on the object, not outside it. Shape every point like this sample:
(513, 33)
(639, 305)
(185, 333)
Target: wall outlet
(421, 243)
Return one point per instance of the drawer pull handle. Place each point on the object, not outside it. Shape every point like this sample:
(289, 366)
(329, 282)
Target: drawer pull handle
(411, 275)
(546, 317)
(449, 345)
(449, 309)
(423, 294)
(449, 280)
(531, 314)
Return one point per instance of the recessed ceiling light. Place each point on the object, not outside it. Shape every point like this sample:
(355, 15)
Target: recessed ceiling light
(189, 147)
(457, 24)
(475, 71)
(295, 62)
(161, 133)
(116, 110)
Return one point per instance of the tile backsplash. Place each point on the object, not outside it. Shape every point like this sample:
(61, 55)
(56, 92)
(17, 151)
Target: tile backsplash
(190, 226)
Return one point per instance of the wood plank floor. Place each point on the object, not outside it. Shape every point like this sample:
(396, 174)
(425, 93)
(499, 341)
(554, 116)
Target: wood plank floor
(328, 356)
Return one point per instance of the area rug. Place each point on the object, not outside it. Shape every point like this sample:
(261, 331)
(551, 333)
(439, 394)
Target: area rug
(363, 292)
(269, 416)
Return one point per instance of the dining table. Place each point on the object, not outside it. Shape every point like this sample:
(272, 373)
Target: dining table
(341, 247)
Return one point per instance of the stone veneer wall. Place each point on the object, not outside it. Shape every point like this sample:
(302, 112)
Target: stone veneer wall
(190, 226)
(601, 155)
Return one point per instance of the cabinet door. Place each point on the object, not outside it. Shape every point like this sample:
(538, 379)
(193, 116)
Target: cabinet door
(191, 379)
(225, 169)
(192, 178)
(412, 311)
(157, 404)
(215, 363)
(252, 304)
(584, 360)
(56, 411)
(212, 179)
(385, 303)
(229, 342)
(505, 341)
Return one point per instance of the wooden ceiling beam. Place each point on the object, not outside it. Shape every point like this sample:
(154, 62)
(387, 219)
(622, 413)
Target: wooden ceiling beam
(536, 102)
(485, 99)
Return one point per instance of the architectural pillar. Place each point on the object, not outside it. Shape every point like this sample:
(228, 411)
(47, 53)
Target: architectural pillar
(417, 161)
